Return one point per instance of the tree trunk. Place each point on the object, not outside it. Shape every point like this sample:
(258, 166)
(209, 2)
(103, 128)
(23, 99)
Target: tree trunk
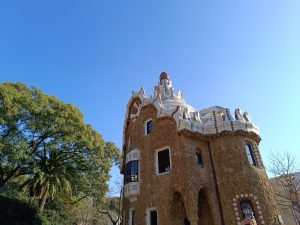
(1, 175)
(43, 199)
(3, 180)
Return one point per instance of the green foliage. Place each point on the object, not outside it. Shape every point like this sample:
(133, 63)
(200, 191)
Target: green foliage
(16, 212)
(47, 149)
(57, 212)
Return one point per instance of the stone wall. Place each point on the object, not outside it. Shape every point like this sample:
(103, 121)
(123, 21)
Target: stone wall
(238, 180)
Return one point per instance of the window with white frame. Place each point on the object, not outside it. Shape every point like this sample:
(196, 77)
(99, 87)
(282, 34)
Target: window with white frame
(250, 154)
(163, 161)
(131, 171)
(132, 164)
(247, 209)
(148, 126)
(153, 217)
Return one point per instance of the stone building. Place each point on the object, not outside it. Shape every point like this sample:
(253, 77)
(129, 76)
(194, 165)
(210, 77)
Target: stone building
(288, 209)
(182, 166)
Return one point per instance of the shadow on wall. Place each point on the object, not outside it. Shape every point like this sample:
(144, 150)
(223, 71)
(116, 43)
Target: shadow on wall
(16, 212)
(204, 212)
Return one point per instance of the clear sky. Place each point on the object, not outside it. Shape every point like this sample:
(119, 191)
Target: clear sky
(236, 54)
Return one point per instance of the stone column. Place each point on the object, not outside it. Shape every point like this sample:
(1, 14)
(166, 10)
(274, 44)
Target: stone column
(192, 207)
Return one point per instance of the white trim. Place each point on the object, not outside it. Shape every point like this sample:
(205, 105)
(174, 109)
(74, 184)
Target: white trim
(133, 188)
(254, 201)
(156, 160)
(148, 215)
(133, 155)
(145, 126)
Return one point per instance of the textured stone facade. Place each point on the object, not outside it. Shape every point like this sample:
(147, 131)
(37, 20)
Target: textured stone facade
(209, 193)
(289, 215)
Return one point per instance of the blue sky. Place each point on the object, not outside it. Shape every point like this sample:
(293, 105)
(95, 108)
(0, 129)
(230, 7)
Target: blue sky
(234, 54)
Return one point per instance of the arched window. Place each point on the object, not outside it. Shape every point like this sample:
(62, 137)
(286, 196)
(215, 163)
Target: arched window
(199, 157)
(250, 154)
(152, 216)
(131, 216)
(247, 209)
(148, 126)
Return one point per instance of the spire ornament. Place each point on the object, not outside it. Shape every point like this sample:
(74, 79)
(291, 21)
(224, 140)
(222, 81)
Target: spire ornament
(163, 76)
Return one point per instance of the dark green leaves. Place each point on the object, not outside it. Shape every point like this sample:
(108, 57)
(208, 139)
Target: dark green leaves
(47, 143)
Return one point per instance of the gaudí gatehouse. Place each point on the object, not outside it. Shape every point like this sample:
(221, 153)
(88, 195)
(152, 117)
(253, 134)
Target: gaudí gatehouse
(183, 166)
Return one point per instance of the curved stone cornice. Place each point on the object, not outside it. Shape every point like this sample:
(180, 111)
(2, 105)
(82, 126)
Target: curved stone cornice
(207, 137)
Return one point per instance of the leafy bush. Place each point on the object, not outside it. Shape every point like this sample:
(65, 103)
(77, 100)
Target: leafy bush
(17, 212)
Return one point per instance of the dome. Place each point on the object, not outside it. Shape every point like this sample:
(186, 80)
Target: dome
(172, 102)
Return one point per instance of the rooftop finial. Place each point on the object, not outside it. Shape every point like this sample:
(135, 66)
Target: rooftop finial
(163, 76)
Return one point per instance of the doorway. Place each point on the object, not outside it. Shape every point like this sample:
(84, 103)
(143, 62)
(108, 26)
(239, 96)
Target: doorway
(178, 211)
(204, 212)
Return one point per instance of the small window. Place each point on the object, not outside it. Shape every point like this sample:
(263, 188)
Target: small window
(131, 171)
(153, 218)
(247, 209)
(250, 154)
(199, 158)
(149, 127)
(163, 158)
(132, 217)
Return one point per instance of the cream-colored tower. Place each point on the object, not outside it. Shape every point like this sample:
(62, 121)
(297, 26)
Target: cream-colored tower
(183, 166)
